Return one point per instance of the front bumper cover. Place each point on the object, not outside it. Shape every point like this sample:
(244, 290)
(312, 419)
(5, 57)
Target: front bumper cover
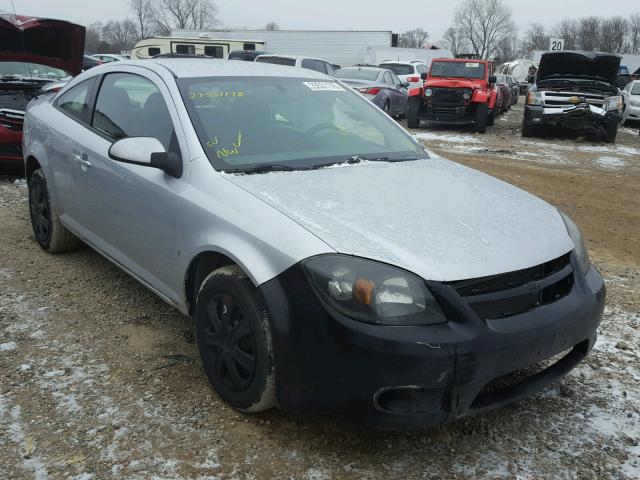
(578, 117)
(399, 378)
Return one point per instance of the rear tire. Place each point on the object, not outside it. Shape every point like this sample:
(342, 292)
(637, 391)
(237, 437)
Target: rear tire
(49, 232)
(233, 334)
(413, 110)
(491, 119)
(386, 108)
(482, 117)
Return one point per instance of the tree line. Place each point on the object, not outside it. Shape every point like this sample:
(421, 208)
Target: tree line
(485, 28)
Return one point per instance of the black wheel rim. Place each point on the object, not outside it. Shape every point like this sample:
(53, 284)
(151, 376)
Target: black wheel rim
(229, 338)
(40, 212)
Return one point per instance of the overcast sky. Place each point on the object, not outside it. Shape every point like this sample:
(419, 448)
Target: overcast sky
(433, 16)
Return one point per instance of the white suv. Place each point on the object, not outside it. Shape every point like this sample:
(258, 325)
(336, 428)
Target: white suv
(410, 72)
(299, 61)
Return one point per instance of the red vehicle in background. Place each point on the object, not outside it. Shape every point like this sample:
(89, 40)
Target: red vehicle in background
(456, 91)
(35, 53)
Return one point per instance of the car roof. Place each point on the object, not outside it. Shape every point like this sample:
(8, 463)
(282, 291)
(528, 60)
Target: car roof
(293, 57)
(412, 63)
(207, 67)
(376, 69)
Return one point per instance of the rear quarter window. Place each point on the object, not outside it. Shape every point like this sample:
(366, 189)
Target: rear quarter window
(75, 101)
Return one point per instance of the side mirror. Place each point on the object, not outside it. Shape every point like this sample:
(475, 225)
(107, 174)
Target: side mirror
(493, 79)
(406, 84)
(147, 152)
(423, 76)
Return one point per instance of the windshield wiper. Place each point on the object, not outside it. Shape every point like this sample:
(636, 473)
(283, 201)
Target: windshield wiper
(263, 169)
(383, 159)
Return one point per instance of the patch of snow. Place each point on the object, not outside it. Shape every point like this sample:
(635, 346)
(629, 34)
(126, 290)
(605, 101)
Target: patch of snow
(611, 162)
(7, 347)
(433, 136)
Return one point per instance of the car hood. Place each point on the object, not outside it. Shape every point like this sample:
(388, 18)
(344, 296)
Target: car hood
(568, 63)
(434, 217)
(54, 43)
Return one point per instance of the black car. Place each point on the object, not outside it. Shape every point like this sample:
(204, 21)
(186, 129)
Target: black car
(89, 62)
(515, 89)
(246, 55)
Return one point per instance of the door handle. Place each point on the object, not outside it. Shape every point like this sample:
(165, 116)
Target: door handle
(82, 160)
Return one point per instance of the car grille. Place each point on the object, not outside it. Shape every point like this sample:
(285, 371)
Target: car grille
(447, 97)
(11, 119)
(562, 99)
(514, 293)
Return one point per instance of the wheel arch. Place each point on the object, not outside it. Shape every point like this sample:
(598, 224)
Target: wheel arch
(31, 164)
(200, 266)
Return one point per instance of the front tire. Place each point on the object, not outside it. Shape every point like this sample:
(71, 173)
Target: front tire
(491, 119)
(611, 132)
(233, 334)
(482, 117)
(527, 130)
(49, 232)
(413, 111)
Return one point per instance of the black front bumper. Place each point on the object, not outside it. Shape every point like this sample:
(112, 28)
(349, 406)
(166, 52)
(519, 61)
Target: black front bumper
(579, 118)
(399, 378)
(447, 113)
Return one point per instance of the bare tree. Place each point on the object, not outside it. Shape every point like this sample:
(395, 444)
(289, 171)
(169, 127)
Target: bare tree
(567, 29)
(589, 30)
(272, 26)
(455, 41)
(143, 15)
(93, 38)
(413, 38)
(633, 33)
(507, 48)
(614, 34)
(535, 38)
(185, 14)
(120, 35)
(485, 24)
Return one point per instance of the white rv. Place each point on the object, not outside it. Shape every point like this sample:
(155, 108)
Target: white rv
(217, 48)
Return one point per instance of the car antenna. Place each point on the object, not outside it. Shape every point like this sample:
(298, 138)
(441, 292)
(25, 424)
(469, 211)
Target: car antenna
(24, 48)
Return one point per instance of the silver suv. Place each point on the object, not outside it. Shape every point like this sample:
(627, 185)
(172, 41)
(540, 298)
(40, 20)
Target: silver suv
(330, 264)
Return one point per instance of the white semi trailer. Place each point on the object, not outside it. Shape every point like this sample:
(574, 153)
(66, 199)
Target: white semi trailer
(340, 47)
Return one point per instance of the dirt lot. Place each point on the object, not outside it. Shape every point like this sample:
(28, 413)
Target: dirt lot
(100, 379)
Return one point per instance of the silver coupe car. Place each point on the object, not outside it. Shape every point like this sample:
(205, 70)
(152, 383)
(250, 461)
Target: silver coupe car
(331, 265)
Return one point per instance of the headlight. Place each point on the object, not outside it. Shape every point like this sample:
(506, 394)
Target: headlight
(428, 92)
(581, 251)
(534, 98)
(614, 103)
(373, 292)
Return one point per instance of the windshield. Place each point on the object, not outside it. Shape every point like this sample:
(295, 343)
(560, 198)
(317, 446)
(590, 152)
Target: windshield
(457, 69)
(289, 62)
(31, 70)
(252, 123)
(635, 90)
(398, 68)
(357, 74)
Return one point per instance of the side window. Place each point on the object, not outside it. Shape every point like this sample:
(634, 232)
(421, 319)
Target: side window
(421, 68)
(132, 106)
(249, 46)
(214, 51)
(153, 51)
(316, 65)
(387, 78)
(75, 102)
(395, 79)
(186, 49)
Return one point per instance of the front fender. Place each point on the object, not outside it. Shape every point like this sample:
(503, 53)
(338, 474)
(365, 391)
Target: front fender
(480, 96)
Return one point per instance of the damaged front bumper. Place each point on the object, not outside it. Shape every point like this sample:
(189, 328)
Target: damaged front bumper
(401, 378)
(576, 117)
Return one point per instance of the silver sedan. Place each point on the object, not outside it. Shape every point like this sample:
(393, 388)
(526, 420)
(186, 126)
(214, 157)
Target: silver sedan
(330, 264)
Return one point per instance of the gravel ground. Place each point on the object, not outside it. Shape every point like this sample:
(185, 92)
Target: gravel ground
(100, 379)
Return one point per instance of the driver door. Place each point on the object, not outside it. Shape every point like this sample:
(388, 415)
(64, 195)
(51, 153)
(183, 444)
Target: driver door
(129, 212)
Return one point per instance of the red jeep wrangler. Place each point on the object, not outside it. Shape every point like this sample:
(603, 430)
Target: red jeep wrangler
(456, 91)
